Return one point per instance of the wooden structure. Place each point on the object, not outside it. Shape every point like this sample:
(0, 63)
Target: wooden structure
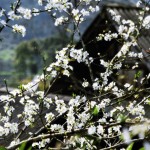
(108, 49)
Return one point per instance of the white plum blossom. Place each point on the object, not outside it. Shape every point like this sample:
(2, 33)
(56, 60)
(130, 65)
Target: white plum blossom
(100, 129)
(146, 145)
(41, 144)
(60, 20)
(3, 22)
(96, 85)
(60, 106)
(2, 12)
(117, 65)
(6, 98)
(122, 29)
(140, 55)
(20, 29)
(138, 3)
(136, 109)
(26, 13)
(85, 13)
(146, 22)
(49, 117)
(54, 73)
(94, 9)
(115, 16)
(13, 16)
(85, 84)
(14, 142)
(66, 72)
(40, 2)
(57, 127)
(75, 12)
(91, 130)
(126, 135)
(83, 117)
(30, 110)
(62, 62)
(8, 109)
(127, 85)
(104, 103)
(125, 48)
(132, 54)
(47, 102)
(139, 129)
(70, 119)
(104, 63)
(35, 11)
(79, 55)
(92, 104)
(3, 131)
(58, 5)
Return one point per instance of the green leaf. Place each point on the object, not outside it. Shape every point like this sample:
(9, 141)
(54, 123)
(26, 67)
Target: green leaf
(130, 146)
(2, 148)
(95, 111)
(22, 146)
(121, 118)
(142, 148)
(30, 148)
(138, 74)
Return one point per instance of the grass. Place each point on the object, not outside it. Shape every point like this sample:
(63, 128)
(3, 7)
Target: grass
(7, 55)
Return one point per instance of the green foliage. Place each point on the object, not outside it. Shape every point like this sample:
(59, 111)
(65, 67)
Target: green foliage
(33, 55)
(2, 148)
(95, 111)
(121, 118)
(7, 55)
(130, 146)
(138, 74)
(142, 148)
(23, 146)
(27, 57)
(5, 73)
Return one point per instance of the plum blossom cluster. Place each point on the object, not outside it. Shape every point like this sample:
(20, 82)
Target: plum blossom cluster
(30, 110)
(61, 63)
(20, 29)
(41, 144)
(55, 7)
(79, 55)
(26, 13)
(2, 21)
(103, 114)
(126, 28)
(133, 54)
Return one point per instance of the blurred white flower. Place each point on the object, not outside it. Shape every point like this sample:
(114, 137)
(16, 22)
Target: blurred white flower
(20, 29)
(91, 130)
(126, 135)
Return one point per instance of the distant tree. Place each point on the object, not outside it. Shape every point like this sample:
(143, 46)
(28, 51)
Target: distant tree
(27, 58)
(53, 44)
(34, 54)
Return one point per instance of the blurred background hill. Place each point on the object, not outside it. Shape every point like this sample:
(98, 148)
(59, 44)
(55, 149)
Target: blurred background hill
(22, 57)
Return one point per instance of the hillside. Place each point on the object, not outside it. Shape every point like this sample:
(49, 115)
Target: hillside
(39, 27)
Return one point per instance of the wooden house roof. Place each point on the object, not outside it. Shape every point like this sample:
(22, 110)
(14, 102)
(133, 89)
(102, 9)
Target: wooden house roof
(103, 21)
